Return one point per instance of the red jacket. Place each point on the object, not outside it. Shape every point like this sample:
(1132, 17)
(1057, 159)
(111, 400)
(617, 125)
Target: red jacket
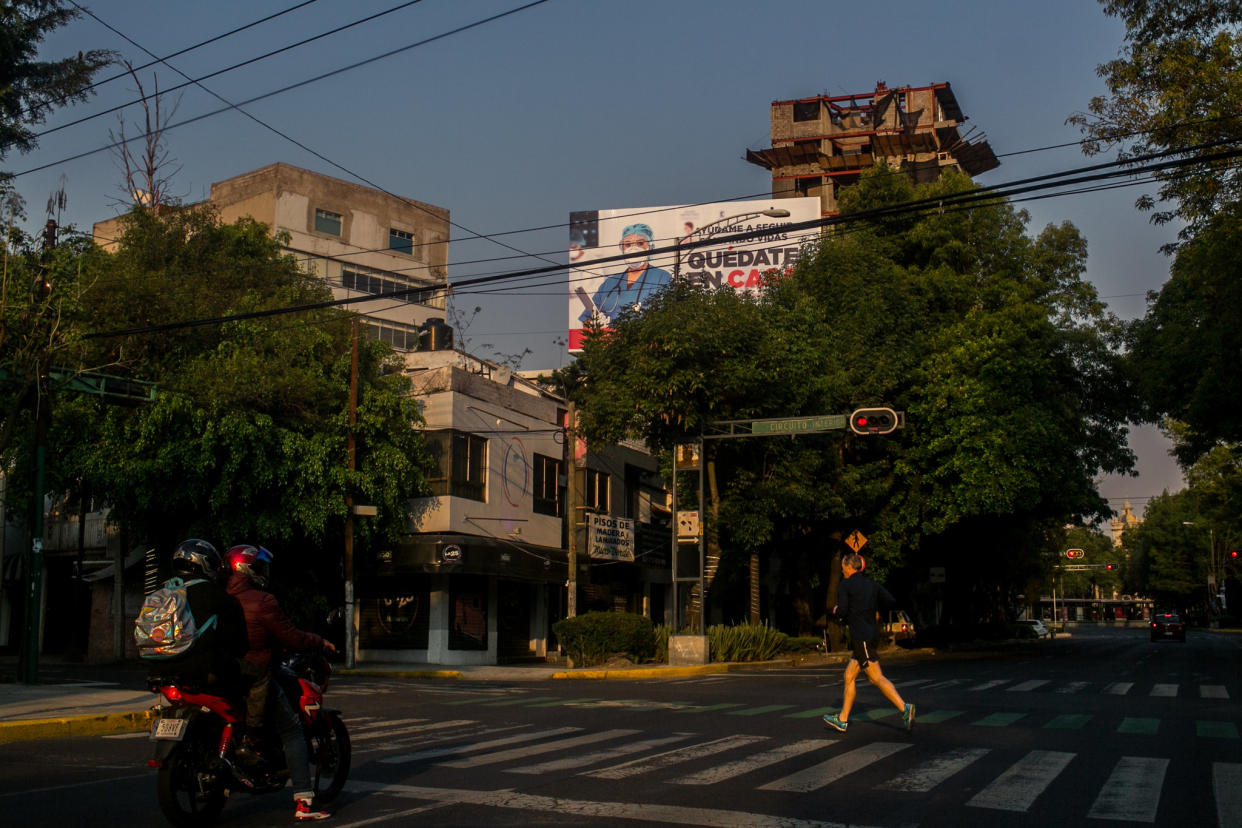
(267, 626)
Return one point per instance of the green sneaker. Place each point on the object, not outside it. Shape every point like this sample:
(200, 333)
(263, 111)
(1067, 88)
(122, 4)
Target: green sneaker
(907, 717)
(835, 723)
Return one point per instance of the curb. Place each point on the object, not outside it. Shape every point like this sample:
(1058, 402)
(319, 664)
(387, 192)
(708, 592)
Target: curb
(66, 726)
(397, 673)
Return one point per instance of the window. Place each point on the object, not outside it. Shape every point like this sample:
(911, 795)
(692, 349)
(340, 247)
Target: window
(327, 221)
(461, 464)
(547, 486)
(401, 241)
(806, 111)
(803, 186)
(597, 491)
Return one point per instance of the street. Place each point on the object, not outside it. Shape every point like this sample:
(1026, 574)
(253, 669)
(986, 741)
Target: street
(1104, 727)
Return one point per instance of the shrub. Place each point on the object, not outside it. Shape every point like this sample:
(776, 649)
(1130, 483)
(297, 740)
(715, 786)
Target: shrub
(745, 642)
(802, 644)
(593, 638)
(662, 632)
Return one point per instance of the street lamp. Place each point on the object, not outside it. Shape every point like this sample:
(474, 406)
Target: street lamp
(771, 212)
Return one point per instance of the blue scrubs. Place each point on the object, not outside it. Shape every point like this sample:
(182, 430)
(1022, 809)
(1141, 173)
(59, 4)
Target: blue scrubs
(614, 294)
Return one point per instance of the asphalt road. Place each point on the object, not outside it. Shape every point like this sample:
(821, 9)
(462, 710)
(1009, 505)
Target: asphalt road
(1105, 728)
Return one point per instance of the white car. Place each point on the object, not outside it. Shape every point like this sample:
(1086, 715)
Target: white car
(1037, 628)
(899, 626)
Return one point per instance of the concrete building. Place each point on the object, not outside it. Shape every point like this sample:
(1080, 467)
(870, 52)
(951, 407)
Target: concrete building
(358, 239)
(822, 143)
(483, 574)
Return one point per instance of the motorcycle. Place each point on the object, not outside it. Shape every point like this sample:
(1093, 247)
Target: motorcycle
(195, 744)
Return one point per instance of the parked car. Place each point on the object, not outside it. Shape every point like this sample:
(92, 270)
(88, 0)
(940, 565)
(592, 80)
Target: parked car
(1167, 625)
(899, 626)
(1035, 627)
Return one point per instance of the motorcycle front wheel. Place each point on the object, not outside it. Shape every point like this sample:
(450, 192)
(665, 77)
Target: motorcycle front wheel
(190, 794)
(329, 756)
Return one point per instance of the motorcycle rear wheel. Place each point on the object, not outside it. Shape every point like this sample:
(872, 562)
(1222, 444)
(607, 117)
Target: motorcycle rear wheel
(189, 794)
(330, 756)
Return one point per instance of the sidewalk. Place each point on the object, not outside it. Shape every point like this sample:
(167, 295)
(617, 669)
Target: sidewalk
(81, 700)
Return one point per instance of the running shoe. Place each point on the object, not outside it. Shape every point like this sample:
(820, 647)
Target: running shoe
(836, 723)
(907, 717)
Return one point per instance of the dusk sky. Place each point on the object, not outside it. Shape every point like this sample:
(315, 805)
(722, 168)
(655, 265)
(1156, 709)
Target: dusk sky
(563, 106)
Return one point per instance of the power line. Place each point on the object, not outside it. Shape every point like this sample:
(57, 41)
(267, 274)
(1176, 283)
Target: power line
(1081, 175)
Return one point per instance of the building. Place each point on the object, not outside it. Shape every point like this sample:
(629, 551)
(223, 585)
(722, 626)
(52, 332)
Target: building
(358, 239)
(821, 144)
(1125, 520)
(483, 574)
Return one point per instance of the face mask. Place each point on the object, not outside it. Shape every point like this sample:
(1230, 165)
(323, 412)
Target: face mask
(636, 261)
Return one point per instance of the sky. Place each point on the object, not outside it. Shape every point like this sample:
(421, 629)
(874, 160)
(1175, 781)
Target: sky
(514, 122)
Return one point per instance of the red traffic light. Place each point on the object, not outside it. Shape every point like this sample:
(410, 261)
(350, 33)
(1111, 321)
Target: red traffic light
(1110, 567)
(1075, 553)
(1234, 554)
(874, 421)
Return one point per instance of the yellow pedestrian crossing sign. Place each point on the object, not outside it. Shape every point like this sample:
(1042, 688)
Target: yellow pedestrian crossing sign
(856, 541)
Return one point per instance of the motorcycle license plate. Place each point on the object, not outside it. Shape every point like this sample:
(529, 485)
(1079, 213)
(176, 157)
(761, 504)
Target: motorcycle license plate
(173, 729)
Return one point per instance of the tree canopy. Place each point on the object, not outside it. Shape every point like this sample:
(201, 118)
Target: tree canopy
(999, 353)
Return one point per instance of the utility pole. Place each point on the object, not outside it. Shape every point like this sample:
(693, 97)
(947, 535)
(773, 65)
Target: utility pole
(571, 517)
(349, 501)
(34, 599)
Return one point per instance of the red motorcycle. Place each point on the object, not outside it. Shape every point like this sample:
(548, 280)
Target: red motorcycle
(195, 744)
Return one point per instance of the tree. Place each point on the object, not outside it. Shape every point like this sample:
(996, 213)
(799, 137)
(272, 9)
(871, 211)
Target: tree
(246, 438)
(1184, 352)
(1176, 85)
(29, 88)
(148, 173)
(1000, 354)
(1166, 558)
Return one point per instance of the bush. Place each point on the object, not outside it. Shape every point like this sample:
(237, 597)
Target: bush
(662, 632)
(745, 642)
(802, 644)
(593, 638)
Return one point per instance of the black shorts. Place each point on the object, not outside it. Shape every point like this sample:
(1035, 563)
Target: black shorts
(865, 651)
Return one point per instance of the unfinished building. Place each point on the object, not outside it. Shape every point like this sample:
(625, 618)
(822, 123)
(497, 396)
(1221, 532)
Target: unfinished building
(822, 144)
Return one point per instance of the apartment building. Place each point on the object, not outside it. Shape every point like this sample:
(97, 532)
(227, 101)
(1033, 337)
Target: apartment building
(823, 143)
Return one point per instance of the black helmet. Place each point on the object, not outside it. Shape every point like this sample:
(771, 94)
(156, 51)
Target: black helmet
(196, 557)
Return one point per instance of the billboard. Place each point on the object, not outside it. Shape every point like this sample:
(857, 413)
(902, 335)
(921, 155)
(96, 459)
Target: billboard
(621, 258)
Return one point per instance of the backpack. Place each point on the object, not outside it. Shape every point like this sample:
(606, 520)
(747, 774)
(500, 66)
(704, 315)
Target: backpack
(165, 626)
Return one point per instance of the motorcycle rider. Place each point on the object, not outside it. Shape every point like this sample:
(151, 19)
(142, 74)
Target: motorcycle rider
(268, 626)
(212, 663)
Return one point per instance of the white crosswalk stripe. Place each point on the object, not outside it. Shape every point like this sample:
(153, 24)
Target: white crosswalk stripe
(934, 771)
(711, 776)
(825, 773)
(1227, 786)
(536, 750)
(674, 757)
(574, 762)
(1213, 691)
(436, 753)
(1167, 691)
(1019, 786)
(987, 685)
(405, 731)
(1118, 688)
(1028, 686)
(1132, 792)
(1072, 687)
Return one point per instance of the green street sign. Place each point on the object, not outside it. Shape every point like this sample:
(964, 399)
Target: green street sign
(800, 425)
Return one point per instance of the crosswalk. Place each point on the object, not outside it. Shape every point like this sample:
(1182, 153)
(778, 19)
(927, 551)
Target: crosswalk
(1113, 688)
(1011, 779)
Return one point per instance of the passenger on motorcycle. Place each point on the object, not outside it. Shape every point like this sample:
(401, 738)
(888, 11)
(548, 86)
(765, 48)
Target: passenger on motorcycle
(211, 665)
(267, 627)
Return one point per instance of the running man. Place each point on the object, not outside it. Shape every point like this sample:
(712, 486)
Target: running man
(858, 600)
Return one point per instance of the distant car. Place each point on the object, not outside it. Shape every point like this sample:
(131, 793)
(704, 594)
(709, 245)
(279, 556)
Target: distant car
(899, 626)
(1167, 625)
(1036, 627)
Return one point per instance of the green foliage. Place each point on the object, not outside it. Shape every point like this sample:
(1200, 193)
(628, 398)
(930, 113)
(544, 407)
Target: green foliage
(246, 440)
(801, 644)
(662, 632)
(30, 89)
(1176, 84)
(745, 642)
(593, 638)
(1185, 351)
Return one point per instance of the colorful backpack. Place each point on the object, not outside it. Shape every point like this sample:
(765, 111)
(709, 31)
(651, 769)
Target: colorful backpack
(165, 627)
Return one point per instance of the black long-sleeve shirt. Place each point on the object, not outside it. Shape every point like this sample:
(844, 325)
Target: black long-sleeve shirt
(858, 600)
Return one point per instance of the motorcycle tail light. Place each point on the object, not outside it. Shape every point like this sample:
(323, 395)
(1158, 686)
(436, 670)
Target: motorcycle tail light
(172, 692)
(155, 763)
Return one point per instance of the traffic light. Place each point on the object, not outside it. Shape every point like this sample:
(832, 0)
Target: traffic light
(1075, 553)
(1109, 567)
(873, 421)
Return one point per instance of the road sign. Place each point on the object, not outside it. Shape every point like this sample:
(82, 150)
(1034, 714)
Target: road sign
(1075, 553)
(856, 541)
(799, 425)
